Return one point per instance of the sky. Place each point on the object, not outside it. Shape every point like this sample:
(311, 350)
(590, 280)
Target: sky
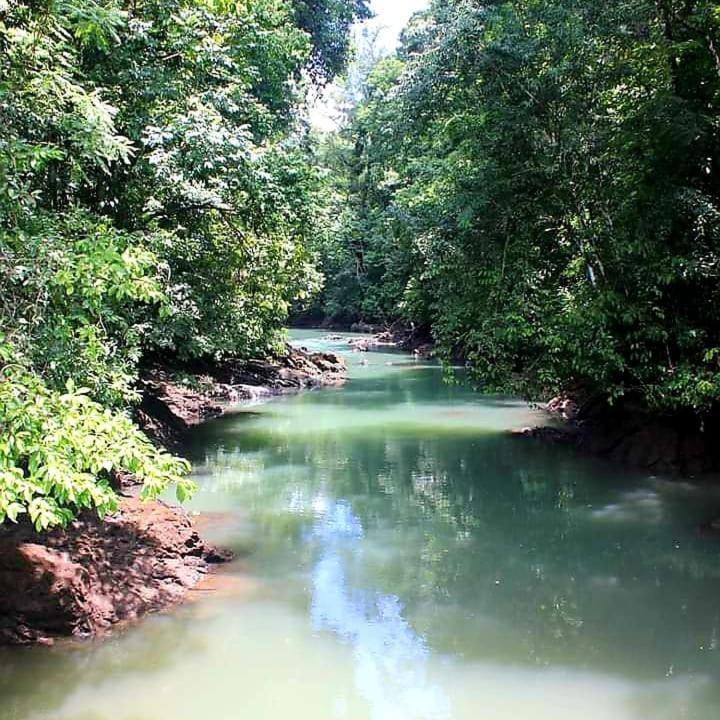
(391, 16)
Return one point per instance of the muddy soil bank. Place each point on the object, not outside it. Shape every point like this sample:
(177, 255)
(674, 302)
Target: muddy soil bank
(178, 398)
(82, 580)
(95, 574)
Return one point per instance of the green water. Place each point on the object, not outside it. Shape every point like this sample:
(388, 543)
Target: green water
(402, 558)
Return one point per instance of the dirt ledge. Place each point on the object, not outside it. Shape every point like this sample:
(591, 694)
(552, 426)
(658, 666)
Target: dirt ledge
(177, 399)
(632, 436)
(83, 580)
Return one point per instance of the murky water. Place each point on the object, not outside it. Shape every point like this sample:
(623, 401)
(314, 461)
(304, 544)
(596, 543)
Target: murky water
(401, 558)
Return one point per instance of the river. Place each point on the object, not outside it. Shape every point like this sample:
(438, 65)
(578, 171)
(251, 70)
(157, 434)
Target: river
(400, 557)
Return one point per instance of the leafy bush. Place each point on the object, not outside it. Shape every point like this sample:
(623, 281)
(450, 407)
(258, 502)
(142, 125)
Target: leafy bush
(157, 194)
(57, 450)
(77, 298)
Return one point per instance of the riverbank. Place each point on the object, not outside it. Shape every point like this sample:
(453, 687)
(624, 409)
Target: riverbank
(415, 339)
(631, 435)
(179, 398)
(83, 580)
(95, 574)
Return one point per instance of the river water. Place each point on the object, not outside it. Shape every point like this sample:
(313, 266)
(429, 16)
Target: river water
(400, 557)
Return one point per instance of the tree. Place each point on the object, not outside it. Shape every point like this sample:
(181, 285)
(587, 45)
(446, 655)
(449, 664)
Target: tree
(539, 180)
(155, 195)
(328, 23)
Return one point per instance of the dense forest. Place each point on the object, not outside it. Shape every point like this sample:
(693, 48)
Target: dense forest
(531, 182)
(157, 192)
(536, 182)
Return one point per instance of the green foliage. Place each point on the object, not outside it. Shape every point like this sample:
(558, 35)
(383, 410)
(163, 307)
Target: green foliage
(58, 447)
(76, 298)
(329, 23)
(157, 194)
(363, 256)
(537, 180)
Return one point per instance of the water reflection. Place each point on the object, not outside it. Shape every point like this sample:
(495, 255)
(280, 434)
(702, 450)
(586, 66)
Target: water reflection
(636, 506)
(390, 657)
(499, 549)
(413, 562)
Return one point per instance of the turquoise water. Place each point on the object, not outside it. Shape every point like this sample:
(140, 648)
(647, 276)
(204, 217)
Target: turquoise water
(400, 557)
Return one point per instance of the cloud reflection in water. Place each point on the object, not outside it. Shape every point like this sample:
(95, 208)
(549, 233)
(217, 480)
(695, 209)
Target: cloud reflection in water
(391, 659)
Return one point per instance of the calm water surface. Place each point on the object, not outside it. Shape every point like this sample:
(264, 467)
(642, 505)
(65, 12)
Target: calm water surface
(401, 558)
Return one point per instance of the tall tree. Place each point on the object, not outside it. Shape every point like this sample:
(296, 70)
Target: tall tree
(156, 194)
(540, 183)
